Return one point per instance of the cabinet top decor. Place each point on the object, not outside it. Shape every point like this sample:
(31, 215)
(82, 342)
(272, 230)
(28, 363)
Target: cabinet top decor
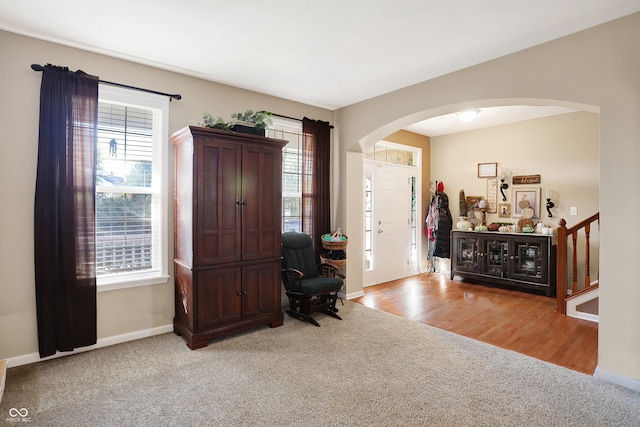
(259, 120)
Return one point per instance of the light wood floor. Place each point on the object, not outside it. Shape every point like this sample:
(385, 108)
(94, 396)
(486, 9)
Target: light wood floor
(514, 320)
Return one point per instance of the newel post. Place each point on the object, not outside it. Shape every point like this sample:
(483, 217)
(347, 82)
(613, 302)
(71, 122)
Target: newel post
(561, 267)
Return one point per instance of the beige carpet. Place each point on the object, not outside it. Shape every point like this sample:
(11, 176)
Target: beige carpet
(371, 369)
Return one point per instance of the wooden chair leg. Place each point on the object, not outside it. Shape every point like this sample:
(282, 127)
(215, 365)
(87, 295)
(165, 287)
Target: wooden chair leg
(301, 307)
(332, 310)
(332, 313)
(303, 317)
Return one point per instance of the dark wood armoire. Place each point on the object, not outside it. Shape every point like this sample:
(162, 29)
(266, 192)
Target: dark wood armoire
(227, 266)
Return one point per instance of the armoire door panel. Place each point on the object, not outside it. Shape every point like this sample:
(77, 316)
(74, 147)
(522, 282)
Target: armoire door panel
(259, 295)
(219, 297)
(261, 215)
(218, 210)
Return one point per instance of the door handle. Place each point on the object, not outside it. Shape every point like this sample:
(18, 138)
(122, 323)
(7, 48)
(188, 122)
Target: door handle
(380, 230)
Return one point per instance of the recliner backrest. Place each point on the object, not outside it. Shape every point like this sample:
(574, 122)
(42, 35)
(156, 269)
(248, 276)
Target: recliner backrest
(298, 253)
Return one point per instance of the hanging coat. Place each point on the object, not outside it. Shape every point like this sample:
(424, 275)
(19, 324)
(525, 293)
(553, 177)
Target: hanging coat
(431, 222)
(443, 231)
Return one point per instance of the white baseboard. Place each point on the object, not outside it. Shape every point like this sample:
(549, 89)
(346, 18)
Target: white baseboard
(102, 342)
(630, 383)
(584, 316)
(352, 295)
(573, 303)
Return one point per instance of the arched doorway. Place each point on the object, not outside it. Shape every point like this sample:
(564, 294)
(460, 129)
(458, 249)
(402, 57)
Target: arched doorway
(405, 123)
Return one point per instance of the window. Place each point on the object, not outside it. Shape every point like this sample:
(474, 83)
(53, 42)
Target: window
(131, 188)
(368, 221)
(388, 152)
(291, 172)
(414, 220)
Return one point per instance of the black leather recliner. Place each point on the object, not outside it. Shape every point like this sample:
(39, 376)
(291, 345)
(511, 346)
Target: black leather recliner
(311, 287)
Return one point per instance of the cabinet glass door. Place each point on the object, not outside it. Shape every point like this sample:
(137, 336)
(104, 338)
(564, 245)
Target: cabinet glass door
(529, 261)
(466, 254)
(496, 255)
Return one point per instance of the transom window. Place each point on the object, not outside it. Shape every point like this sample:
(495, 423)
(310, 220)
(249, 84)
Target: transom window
(389, 152)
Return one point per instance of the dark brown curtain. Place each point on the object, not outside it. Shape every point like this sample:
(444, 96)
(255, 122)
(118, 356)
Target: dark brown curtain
(64, 219)
(316, 157)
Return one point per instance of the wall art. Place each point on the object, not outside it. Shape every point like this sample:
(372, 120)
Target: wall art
(532, 195)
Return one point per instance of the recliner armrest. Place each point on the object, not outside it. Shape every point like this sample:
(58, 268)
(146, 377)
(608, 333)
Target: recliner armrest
(327, 270)
(292, 279)
(298, 273)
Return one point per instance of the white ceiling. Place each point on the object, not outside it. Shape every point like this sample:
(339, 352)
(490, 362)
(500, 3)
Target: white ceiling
(326, 53)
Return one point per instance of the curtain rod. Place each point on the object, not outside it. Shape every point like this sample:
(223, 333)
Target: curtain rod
(290, 118)
(36, 67)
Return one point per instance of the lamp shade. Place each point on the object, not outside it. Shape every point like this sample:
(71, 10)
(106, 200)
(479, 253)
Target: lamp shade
(504, 173)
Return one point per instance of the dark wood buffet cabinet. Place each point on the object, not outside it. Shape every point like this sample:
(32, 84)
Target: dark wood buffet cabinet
(227, 201)
(521, 261)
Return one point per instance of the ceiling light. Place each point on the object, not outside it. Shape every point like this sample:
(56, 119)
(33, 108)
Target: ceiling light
(468, 115)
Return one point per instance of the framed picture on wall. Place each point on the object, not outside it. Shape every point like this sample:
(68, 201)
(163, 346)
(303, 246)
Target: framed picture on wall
(473, 201)
(531, 195)
(487, 170)
(492, 194)
(504, 210)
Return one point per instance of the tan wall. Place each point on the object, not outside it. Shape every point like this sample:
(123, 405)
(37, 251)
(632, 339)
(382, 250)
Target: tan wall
(596, 70)
(120, 311)
(420, 141)
(563, 150)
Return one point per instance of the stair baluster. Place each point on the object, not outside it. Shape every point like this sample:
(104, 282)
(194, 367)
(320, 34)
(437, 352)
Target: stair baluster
(561, 265)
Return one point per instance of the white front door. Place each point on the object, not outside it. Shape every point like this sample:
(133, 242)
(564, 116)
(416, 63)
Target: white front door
(392, 222)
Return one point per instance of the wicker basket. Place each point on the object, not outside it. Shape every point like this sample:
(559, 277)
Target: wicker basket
(333, 246)
(337, 263)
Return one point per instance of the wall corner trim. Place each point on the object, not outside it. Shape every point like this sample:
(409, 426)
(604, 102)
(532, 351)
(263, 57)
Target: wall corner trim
(628, 382)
